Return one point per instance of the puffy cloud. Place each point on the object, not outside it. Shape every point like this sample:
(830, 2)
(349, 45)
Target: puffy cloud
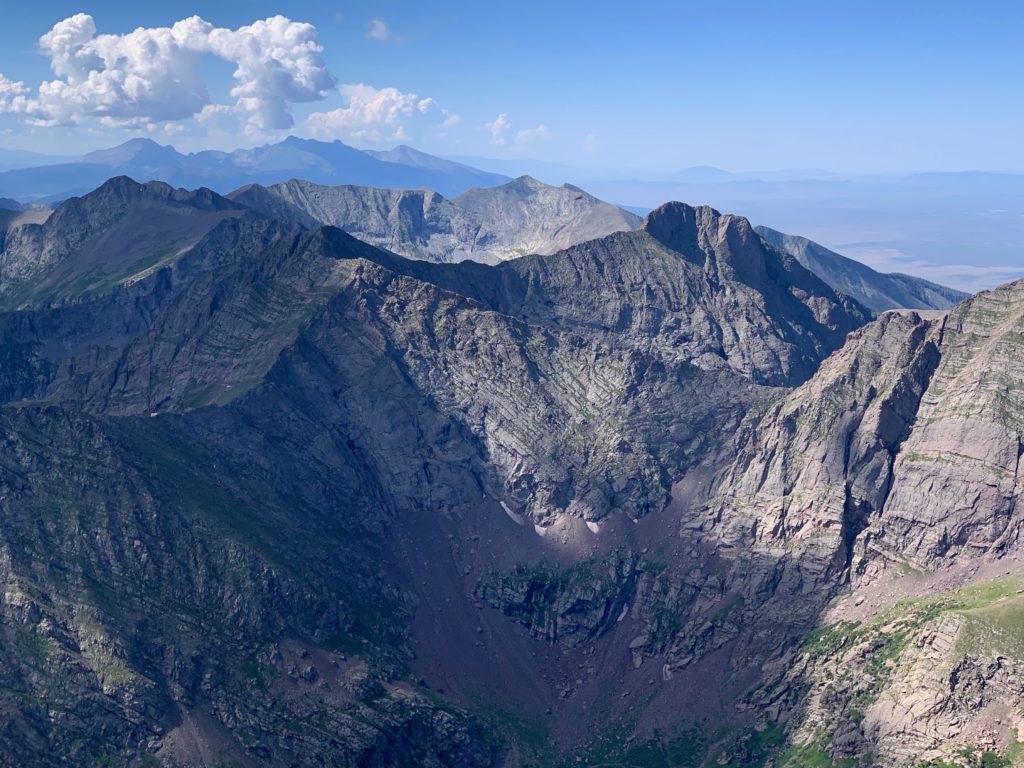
(498, 127)
(378, 30)
(151, 75)
(278, 63)
(378, 115)
(11, 93)
(528, 136)
(525, 137)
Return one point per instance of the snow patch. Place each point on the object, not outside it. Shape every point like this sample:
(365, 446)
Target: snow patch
(517, 519)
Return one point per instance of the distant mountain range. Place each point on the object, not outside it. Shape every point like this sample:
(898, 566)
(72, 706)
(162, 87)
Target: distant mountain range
(18, 158)
(711, 174)
(316, 161)
(526, 216)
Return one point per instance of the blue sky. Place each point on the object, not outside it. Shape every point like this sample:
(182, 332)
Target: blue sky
(850, 86)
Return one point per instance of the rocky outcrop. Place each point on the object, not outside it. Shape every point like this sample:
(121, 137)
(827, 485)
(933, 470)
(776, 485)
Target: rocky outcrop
(573, 607)
(816, 470)
(958, 479)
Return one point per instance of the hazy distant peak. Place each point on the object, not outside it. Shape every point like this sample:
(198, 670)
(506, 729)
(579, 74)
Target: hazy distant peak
(320, 161)
(875, 290)
(132, 150)
(702, 173)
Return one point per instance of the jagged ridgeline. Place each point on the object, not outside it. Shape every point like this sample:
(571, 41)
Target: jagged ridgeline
(655, 495)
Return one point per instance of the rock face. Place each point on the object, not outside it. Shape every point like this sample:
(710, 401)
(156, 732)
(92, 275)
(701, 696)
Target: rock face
(876, 291)
(418, 224)
(526, 216)
(274, 496)
(959, 478)
(691, 285)
(486, 225)
(901, 453)
(816, 469)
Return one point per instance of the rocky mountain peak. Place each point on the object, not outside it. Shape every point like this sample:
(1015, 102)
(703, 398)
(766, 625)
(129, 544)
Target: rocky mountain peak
(120, 229)
(678, 226)
(722, 244)
(123, 190)
(875, 290)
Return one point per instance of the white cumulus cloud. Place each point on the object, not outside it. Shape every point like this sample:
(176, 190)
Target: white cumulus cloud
(529, 136)
(151, 75)
(11, 93)
(498, 128)
(378, 115)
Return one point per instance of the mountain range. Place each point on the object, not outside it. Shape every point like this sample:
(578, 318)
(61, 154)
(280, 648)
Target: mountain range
(317, 161)
(525, 216)
(272, 495)
(520, 217)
